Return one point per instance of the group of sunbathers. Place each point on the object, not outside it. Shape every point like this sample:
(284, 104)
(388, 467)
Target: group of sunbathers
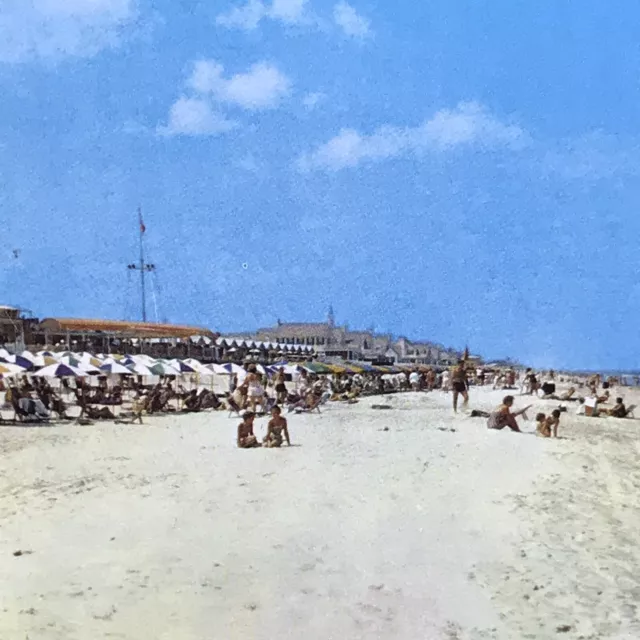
(35, 400)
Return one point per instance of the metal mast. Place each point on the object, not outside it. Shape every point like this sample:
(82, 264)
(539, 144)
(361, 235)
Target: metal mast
(143, 267)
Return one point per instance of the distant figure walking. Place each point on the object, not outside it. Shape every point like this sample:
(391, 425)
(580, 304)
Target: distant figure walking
(460, 385)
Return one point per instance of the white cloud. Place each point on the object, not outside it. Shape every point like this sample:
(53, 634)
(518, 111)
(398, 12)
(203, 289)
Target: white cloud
(468, 124)
(351, 22)
(312, 100)
(288, 11)
(195, 117)
(245, 17)
(249, 15)
(37, 29)
(262, 87)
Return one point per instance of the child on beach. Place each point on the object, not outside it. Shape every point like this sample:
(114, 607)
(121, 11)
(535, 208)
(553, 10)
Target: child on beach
(548, 425)
(246, 438)
(137, 408)
(542, 430)
(276, 427)
(553, 422)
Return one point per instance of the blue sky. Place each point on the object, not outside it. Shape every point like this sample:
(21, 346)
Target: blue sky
(451, 170)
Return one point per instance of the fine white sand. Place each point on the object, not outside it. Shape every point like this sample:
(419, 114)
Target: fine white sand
(434, 528)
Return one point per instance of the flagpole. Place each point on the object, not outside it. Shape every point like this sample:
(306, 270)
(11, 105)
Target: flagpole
(142, 268)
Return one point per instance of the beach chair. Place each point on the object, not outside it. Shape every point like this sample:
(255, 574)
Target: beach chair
(590, 406)
(233, 407)
(630, 411)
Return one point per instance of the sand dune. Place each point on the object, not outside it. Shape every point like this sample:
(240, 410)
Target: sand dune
(434, 528)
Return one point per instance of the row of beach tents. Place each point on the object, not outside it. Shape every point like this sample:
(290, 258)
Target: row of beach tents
(51, 364)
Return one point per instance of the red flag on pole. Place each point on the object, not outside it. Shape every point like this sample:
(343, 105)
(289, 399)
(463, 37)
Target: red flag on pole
(142, 227)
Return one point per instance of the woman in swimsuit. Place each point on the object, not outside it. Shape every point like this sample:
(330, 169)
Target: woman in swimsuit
(276, 427)
(255, 392)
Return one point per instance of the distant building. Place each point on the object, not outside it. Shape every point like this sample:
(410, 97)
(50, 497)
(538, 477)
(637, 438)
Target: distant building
(331, 340)
(15, 327)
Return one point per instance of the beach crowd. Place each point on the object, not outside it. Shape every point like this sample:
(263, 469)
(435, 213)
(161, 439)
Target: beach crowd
(253, 390)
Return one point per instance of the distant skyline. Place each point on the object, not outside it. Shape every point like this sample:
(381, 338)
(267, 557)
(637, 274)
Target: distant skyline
(459, 172)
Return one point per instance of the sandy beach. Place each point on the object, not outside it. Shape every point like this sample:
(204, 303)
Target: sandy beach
(403, 523)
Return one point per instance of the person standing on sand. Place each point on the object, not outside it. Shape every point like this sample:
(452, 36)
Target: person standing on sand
(502, 416)
(246, 438)
(460, 385)
(444, 380)
(280, 386)
(431, 379)
(530, 383)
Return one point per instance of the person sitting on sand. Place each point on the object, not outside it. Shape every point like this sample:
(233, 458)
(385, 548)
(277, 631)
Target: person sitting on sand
(502, 416)
(276, 427)
(246, 438)
(548, 425)
(192, 402)
(604, 398)
(618, 411)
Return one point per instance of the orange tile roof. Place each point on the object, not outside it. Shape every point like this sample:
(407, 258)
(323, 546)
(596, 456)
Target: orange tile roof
(133, 329)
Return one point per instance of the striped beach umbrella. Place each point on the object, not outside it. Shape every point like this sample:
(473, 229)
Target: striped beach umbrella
(181, 366)
(115, 368)
(141, 369)
(7, 370)
(60, 371)
(20, 361)
(164, 369)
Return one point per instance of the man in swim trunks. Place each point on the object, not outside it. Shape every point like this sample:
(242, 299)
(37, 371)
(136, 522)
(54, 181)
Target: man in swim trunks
(460, 385)
(281, 387)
